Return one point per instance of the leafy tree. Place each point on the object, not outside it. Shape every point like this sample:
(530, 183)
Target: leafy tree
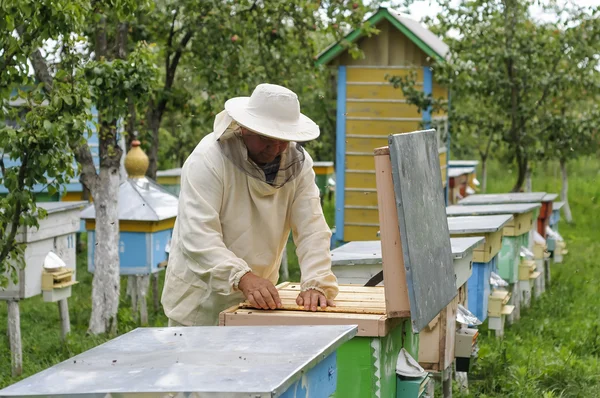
(217, 49)
(114, 79)
(502, 71)
(39, 121)
(571, 116)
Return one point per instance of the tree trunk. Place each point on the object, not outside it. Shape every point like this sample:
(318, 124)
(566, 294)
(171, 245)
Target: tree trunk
(528, 183)
(564, 191)
(522, 170)
(484, 175)
(105, 286)
(153, 119)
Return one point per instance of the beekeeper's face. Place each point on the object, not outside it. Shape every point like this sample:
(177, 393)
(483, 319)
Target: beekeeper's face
(262, 149)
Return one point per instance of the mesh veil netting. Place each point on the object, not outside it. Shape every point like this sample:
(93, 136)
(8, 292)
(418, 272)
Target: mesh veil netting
(229, 137)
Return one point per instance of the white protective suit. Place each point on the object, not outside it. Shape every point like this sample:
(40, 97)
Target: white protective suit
(230, 223)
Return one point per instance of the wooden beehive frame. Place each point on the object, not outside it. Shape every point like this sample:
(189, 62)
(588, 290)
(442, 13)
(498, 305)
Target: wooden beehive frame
(347, 312)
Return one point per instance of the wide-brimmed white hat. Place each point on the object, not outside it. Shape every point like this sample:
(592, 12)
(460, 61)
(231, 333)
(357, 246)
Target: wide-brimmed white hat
(273, 111)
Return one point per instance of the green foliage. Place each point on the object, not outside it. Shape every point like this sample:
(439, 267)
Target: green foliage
(510, 77)
(113, 82)
(215, 50)
(37, 125)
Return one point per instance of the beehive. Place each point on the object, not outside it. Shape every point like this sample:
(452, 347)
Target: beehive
(369, 109)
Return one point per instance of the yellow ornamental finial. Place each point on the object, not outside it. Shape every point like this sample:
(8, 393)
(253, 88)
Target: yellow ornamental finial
(136, 161)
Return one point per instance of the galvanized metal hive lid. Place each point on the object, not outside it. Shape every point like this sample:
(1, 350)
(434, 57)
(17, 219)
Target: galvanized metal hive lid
(57, 207)
(478, 224)
(462, 246)
(516, 197)
(196, 361)
(141, 199)
(458, 171)
(474, 210)
(463, 163)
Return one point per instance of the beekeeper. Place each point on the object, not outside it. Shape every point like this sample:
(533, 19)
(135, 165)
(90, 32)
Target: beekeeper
(243, 188)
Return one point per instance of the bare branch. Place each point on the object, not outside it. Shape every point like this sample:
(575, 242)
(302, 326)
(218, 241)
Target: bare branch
(41, 69)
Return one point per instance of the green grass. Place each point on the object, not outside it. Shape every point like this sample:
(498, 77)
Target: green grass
(553, 351)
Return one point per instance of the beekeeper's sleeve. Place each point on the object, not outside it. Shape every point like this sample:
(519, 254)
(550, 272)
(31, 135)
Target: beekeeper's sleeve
(200, 230)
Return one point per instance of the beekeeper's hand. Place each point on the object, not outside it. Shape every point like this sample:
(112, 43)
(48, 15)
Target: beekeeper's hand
(260, 292)
(311, 299)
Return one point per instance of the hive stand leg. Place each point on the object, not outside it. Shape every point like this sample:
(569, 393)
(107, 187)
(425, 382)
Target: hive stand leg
(132, 292)
(447, 383)
(155, 296)
(430, 388)
(142, 284)
(65, 322)
(547, 272)
(500, 332)
(462, 379)
(14, 336)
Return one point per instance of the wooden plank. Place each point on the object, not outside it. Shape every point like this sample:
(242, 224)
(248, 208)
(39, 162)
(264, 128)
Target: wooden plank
(290, 286)
(360, 198)
(373, 91)
(508, 309)
(344, 297)
(369, 325)
(378, 74)
(358, 179)
(347, 309)
(381, 110)
(380, 127)
(396, 292)
(365, 143)
(361, 215)
(360, 232)
(356, 161)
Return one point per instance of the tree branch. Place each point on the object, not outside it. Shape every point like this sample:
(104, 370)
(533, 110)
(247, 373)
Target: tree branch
(101, 43)
(83, 155)
(171, 70)
(170, 39)
(42, 72)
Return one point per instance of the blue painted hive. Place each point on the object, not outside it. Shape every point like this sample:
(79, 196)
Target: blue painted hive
(478, 287)
(147, 215)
